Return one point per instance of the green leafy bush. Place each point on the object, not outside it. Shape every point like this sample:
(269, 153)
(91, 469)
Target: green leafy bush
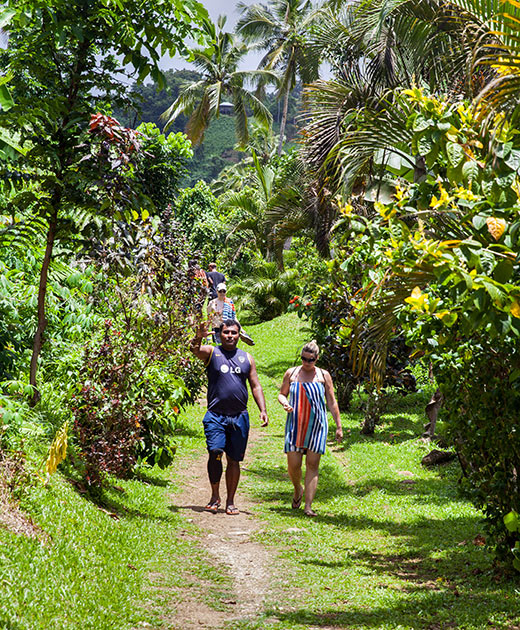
(330, 311)
(447, 272)
(512, 523)
(162, 164)
(265, 294)
(133, 379)
(196, 210)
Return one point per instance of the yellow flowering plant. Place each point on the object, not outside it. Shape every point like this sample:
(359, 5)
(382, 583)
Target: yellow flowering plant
(445, 257)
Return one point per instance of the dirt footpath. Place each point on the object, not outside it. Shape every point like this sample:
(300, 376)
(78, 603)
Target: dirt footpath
(228, 539)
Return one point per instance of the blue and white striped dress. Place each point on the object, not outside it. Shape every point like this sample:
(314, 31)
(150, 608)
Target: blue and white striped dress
(306, 427)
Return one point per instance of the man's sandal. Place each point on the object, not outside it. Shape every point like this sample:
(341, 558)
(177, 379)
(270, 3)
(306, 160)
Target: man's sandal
(212, 507)
(232, 510)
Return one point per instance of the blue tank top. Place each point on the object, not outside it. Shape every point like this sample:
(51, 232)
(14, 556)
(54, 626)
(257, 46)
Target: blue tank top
(228, 372)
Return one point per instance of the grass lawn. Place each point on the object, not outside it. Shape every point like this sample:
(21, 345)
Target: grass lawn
(119, 564)
(392, 547)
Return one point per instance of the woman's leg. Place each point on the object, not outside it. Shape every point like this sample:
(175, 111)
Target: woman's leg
(312, 463)
(294, 468)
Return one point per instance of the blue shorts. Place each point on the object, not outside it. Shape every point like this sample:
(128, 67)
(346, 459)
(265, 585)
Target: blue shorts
(227, 433)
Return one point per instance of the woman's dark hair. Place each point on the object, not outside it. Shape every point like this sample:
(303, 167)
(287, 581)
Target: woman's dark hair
(312, 348)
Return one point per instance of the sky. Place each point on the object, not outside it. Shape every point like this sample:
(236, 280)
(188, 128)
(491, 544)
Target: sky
(216, 8)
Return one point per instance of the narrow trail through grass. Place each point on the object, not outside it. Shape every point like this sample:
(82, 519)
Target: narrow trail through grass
(394, 545)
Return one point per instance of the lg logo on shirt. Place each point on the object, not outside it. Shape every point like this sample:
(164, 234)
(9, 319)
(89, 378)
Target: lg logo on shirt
(225, 369)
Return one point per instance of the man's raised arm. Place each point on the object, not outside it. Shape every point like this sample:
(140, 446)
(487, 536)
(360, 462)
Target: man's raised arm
(201, 352)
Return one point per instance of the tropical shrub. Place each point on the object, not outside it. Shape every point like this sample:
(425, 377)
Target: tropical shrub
(132, 378)
(265, 293)
(162, 164)
(303, 256)
(448, 274)
(17, 300)
(122, 414)
(70, 318)
(330, 309)
(196, 210)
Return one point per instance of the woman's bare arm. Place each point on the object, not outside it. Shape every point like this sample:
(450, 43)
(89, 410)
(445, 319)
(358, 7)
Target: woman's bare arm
(284, 390)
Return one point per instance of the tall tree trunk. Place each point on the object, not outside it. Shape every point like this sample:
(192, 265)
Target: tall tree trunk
(65, 155)
(42, 290)
(284, 120)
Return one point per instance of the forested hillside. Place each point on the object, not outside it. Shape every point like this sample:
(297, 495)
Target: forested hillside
(219, 146)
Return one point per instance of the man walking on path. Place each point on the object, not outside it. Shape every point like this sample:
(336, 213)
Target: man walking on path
(226, 422)
(215, 278)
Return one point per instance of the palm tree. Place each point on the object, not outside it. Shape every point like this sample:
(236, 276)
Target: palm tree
(218, 64)
(266, 292)
(465, 47)
(281, 30)
(248, 205)
(351, 123)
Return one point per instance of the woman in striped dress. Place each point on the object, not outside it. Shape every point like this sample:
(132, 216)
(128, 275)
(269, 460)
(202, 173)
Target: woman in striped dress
(310, 392)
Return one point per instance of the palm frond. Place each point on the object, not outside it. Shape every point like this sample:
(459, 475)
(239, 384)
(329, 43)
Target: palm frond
(241, 128)
(257, 22)
(199, 120)
(375, 326)
(184, 103)
(23, 235)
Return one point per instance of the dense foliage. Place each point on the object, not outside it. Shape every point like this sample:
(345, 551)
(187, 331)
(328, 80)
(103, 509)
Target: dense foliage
(62, 60)
(136, 376)
(456, 290)
(393, 225)
(196, 210)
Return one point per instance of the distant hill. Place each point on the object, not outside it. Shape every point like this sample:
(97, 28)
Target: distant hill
(217, 149)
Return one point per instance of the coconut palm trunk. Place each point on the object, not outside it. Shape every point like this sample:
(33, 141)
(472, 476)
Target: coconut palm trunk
(283, 122)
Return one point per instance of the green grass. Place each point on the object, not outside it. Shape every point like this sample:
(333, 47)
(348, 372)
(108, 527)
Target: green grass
(392, 547)
(112, 568)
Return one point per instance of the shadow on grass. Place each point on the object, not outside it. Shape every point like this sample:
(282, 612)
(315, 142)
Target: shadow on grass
(393, 428)
(433, 610)
(7, 624)
(150, 480)
(120, 510)
(339, 564)
(422, 536)
(114, 508)
(332, 484)
(441, 580)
